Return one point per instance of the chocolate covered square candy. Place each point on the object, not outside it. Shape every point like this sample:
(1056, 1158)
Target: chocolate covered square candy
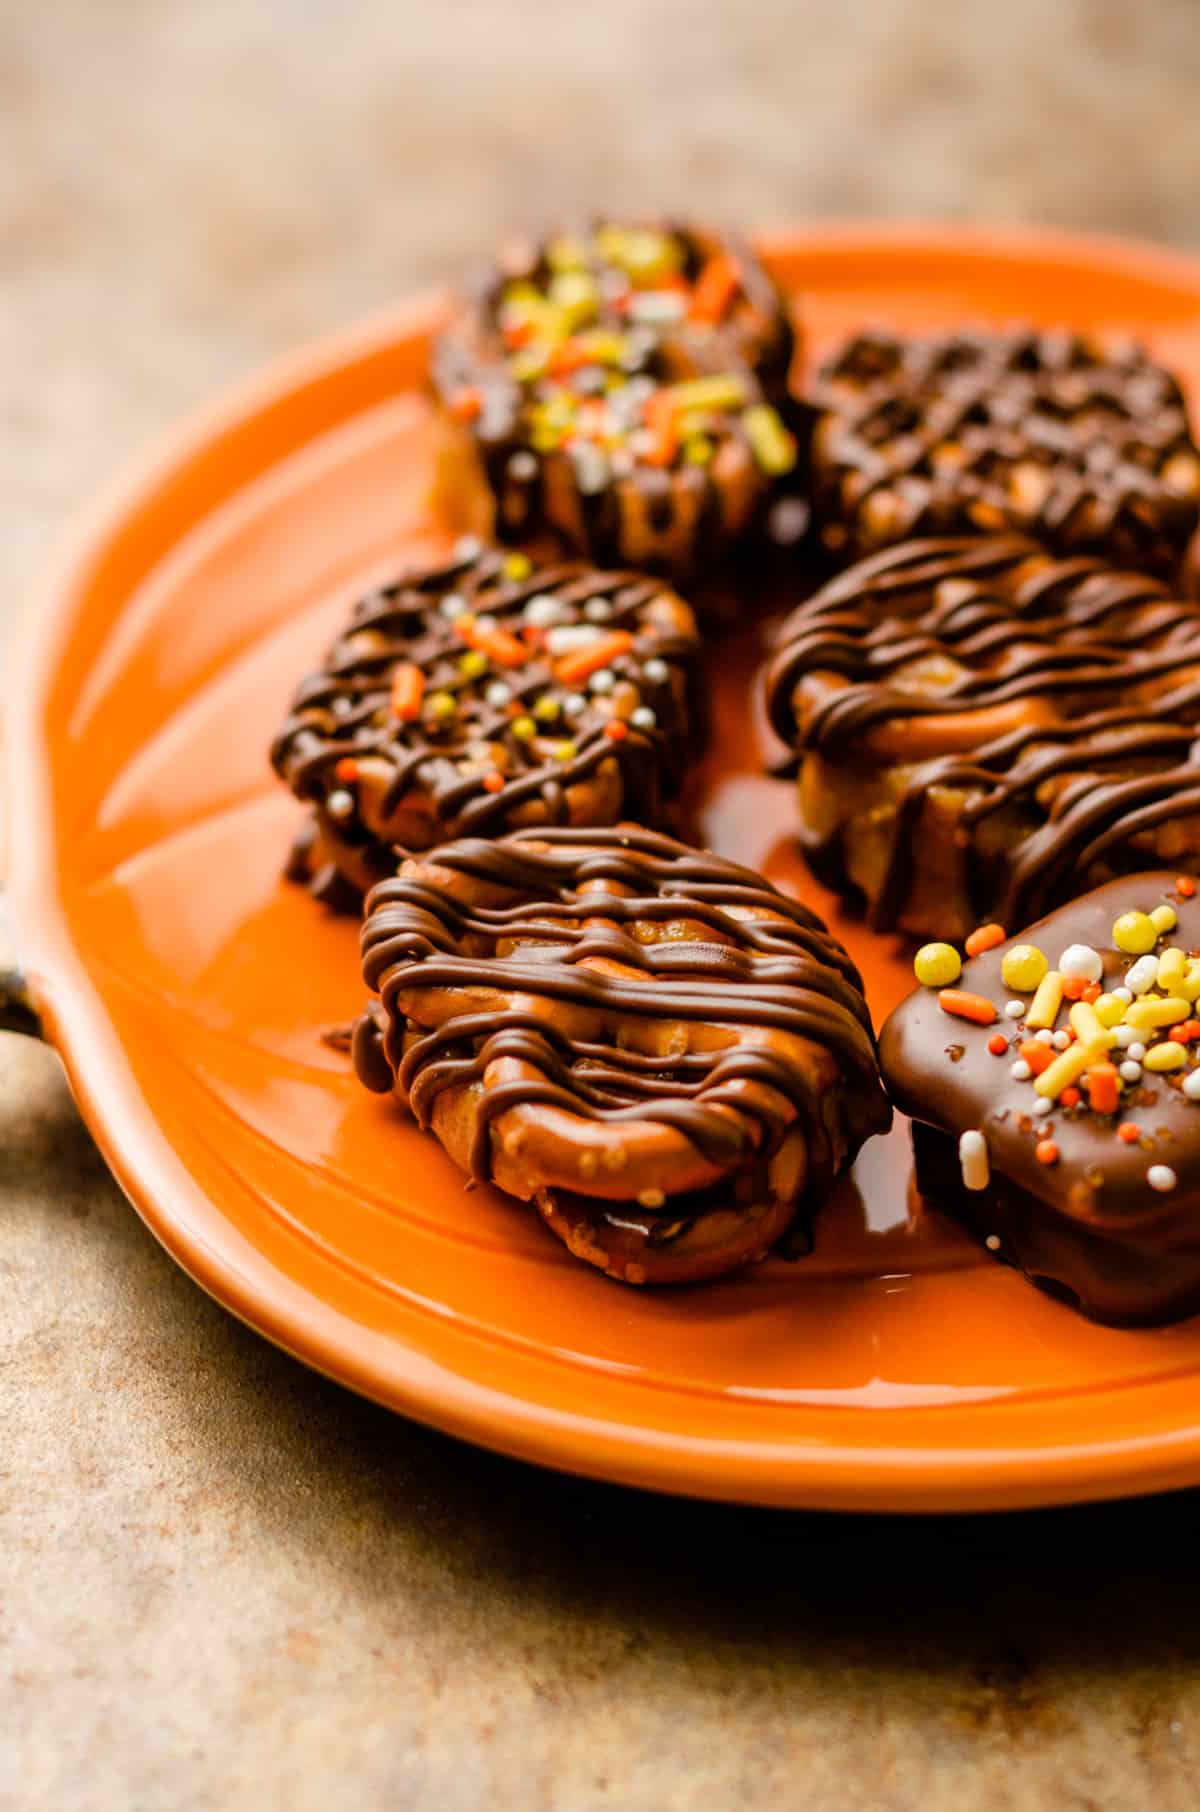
(1053, 1081)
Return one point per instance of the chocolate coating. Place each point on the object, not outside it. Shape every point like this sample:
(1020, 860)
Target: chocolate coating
(1089, 1227)
(1054, 700)
(571, 445)
(426, 778)
(678, 1010)
(1085, 446)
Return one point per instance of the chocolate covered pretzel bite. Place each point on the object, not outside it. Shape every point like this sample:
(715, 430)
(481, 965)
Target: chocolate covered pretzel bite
(1054, 1085)
(1086, 447)
(482, 694)
(982, 729)
(623, 390)
(670, 1059)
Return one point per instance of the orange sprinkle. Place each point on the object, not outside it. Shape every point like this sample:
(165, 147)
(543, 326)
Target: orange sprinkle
(569, 357)
(500, 645)
(493, 782)
(1129, 1132)
(1184, 886)
(1073, 987)
(347, 769)
(1101, 1083)
(408, 689)
(997, 1044)
(714, 289)
(1092, 992)
(531, 634)
(986, 937)
(581, 663)
(1188, 1032)
(616, 729)
(964, 1005)
(1046, 1151)
(518, 334)
(467, 403)
(1070, 1097)
(1039, 1057)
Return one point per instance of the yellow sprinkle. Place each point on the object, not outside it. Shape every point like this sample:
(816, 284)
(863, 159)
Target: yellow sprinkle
(1043, 1009)
(566, 751)
(1189, 987)
(1164, 918)
(1153, 1010)
(1086, 1024)
(937, 965)
(1172, 967)
(1070, 1066)
(1022, 968)
(473, 663)
(1109, 1010)
(1165, 1056)
(441, 704)
(517, 566)
(523, 728)
(1134, 933)
(721, 391)
(773, 447)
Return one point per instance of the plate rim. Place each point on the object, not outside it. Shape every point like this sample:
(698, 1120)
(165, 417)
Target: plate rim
(872, 1476)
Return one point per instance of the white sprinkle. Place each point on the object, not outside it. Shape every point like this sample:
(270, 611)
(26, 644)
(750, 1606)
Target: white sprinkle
(1122, 994)
(1161, 1177)
(1136, 1051)
(571, 635)
(657, 306)
(643, 718)
(1020, 1071)
(468, 547)
(542, 610)
(1045, 1036)
(1191, 1085)
(656, 671)
(1142, 975)
(574, 705)
(453, 605)
(604, 681)
(1130, 1071)
(973, 1160)
(486, 624)
(1042, 1106)
(1061, 1040)
(591, 468)
(522, 465)
(597, 610)
(340, 804)
(1014, 1009)
(1124, 1036)
(498, 693)
(1082, 962)
(992, 1242)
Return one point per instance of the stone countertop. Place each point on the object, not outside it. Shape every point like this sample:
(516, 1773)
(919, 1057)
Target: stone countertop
(224, 1583)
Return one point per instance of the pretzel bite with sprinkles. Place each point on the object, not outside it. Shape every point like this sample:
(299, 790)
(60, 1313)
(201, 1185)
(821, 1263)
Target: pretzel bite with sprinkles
(668, 1058)
(485, 693)
(620, 390)
(1060, 1121)
(980, 729)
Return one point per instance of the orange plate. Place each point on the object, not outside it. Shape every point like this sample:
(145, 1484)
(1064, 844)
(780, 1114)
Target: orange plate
(187, 987)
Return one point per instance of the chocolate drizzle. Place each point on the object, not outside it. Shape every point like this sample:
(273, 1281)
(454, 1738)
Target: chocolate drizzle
(1087, 448)
(567, 901)
(342, 713)
(1064, 694)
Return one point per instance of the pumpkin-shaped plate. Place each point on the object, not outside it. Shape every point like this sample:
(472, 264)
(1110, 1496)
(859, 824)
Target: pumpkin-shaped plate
(188, 987)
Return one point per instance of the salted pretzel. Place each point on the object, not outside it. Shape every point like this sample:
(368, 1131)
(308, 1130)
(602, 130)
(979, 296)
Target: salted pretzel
(669, 1058)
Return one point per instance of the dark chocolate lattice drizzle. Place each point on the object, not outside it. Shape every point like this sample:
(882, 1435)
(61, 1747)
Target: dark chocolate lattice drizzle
(1087, 448)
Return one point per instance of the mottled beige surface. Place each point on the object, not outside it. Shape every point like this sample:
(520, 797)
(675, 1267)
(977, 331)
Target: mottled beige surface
(223, 1583)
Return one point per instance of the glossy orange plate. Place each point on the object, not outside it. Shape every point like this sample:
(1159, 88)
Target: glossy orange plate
(187, 987)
